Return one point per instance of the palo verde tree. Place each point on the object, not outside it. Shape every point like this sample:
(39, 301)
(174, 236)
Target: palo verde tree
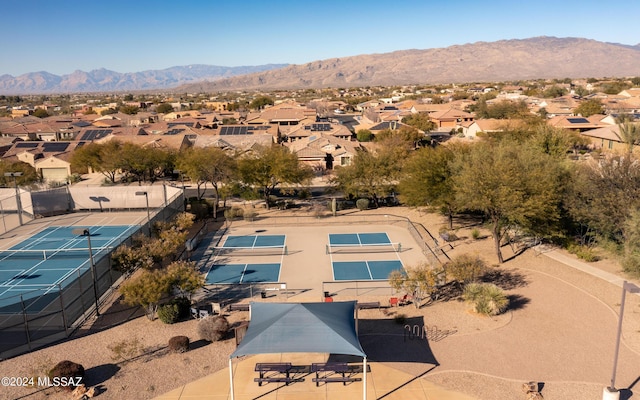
(589, 107)
(512, 184)
(268, 167)
(419, 281)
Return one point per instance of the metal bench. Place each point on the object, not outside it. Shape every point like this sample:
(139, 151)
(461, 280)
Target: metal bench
(278, 368)
(332, 370)
(238, 307)
(373, 304)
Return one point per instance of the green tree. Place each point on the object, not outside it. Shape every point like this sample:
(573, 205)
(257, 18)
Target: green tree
(130, 110)
(146, 290)
(420, 282)
(602, 195)
(420, 121)
(589, 107)
(364, 135)
(268, 167)
(512, 185)
(164, 108)
(100, 157)
(553, 92)
(184, 277)
(426, 180)
(28, 174)
(208, 165)
(144, 163)
(373, 174)
(630, 134)
(107, 111)
(260, 102)
(40, 113)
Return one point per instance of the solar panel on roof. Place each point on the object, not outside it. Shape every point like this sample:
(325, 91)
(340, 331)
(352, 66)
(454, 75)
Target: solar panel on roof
(172, 124)
(93, 134)
(27, 145)
(55, 147)
(578, 120)
(174, 131)
(320, 127)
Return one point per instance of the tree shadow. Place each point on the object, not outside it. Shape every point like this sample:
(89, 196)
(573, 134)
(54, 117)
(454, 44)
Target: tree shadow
(517, 302)
(504, 279)
(198, 344)
(95, 376)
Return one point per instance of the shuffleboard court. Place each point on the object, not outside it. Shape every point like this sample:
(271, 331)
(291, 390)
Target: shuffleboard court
(243, 273)
(365, 270)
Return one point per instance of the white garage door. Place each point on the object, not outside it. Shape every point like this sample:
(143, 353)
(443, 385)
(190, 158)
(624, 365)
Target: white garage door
(54, 174)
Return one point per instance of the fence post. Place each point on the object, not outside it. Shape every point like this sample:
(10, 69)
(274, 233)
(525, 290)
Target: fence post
(26, 323)
(64, 316)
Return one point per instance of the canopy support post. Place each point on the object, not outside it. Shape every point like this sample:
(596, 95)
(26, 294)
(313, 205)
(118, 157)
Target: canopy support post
(364, 378)
(231, 378)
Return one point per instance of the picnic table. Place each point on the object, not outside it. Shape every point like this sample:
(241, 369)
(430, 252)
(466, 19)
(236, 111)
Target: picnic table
(278, 369)
(335, 372)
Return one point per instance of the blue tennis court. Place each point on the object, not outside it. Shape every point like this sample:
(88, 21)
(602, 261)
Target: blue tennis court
(358, 239)
(365, 270)
(243, 273)
(47, 258)
(252, 241)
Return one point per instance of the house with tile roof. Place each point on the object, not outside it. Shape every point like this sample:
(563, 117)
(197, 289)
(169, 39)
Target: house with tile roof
(450, 118)
(323, 152)
(578, 124)
(607, 138)
(50, 159)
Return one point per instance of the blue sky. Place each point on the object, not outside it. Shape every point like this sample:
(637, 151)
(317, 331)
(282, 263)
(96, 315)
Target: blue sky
(129, 36)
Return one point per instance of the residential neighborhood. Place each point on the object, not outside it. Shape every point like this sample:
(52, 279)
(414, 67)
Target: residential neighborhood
(299, 124)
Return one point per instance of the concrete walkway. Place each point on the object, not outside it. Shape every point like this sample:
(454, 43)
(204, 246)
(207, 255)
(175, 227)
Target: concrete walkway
(383, 382)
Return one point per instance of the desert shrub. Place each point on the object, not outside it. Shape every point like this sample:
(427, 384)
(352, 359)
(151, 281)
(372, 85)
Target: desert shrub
(179, 344)
(67, 369)
(213, 328)
(486, 298)
(125, 349)
(362, 204)
(400, 319)
(585, 253)
(475, 233)
(183, 305)
(233, 213)
(465, 268)
(169, 313)
(447, 235)
(250, 215)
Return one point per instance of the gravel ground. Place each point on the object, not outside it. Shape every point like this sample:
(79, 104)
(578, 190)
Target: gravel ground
(560, 331)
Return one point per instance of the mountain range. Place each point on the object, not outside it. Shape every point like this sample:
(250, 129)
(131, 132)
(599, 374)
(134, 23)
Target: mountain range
(103, 80)
(505, 60)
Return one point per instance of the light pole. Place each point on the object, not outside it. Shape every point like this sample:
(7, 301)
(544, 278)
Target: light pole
(15, 184)
(610, 392)
(87, 233)
(146, 196)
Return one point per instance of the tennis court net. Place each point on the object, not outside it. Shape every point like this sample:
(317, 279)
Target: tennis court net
(48, 254)
(277, 250)
(364, 248)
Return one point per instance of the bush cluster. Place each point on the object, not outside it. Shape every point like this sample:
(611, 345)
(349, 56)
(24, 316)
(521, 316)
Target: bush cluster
(585, 253)
(174, 311)
(179, 344)
(233, 213)
(486, 298)
(213, 328)
(67, 369)
(362, 204)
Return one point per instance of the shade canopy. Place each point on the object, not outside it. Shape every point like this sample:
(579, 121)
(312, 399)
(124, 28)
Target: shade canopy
(301, 328)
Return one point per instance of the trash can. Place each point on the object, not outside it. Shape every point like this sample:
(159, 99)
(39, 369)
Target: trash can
(263, 294)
